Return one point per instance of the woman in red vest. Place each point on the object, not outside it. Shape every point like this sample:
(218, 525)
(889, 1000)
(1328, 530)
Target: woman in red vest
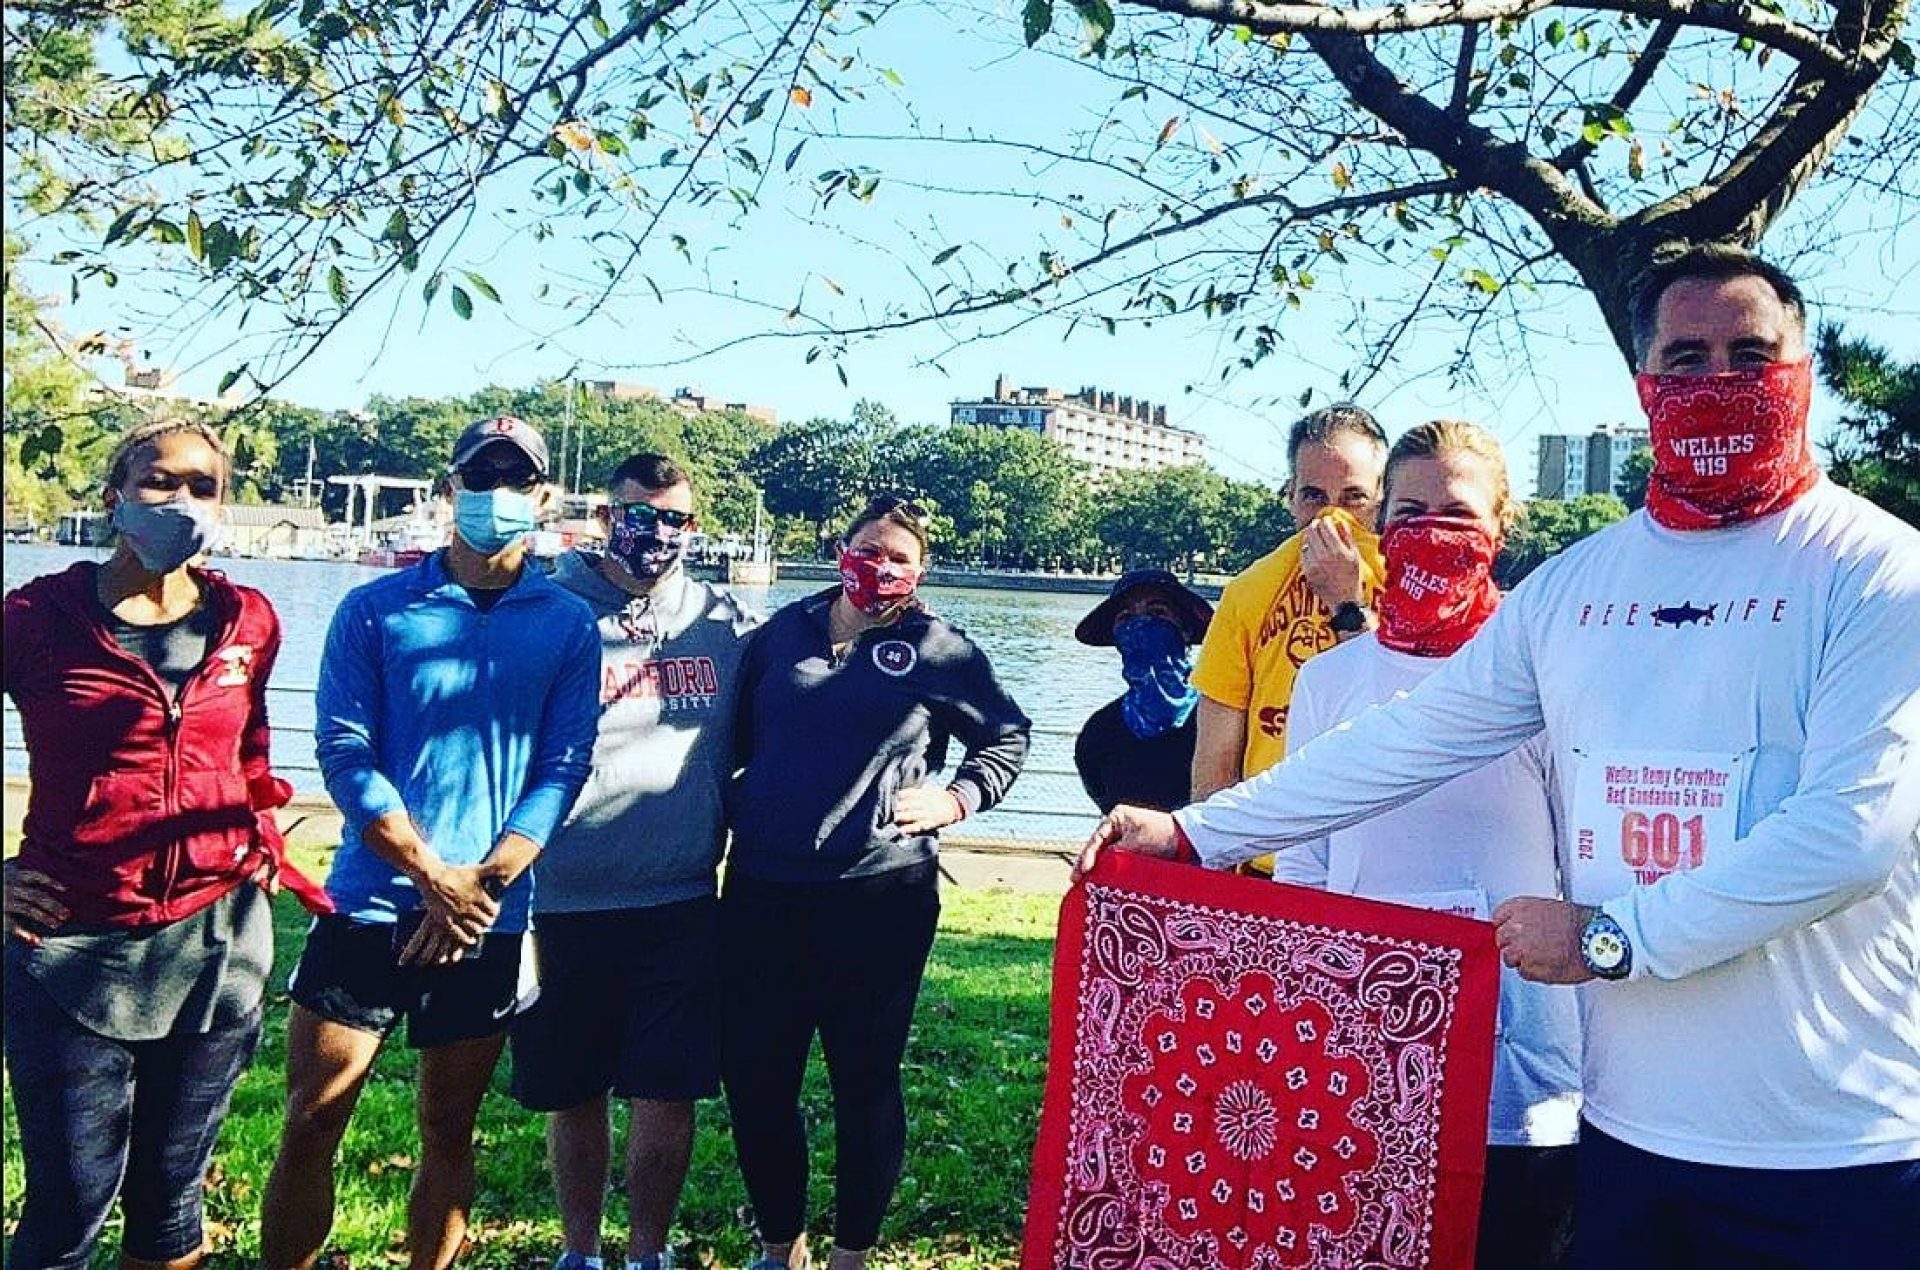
(137, 942)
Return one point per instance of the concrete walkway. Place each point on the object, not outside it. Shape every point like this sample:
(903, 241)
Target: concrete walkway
(969, 863)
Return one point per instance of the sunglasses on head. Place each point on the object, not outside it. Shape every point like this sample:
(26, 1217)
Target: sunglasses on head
(482, 478)
(646, 515)
(897, 505)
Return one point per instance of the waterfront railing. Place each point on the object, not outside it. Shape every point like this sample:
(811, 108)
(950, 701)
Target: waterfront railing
(1046, 810)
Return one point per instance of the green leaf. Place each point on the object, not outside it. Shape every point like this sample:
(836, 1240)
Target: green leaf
(1902, 55)
(196, 236)
(432, 286)
(1038, 20)
(229, 379)
(1556, 32)
(793, 155)
(481, 285)
(1483, 280)
(946, 254)
(337, 285)
(462, 302)
(1097, 17)
(121, 227)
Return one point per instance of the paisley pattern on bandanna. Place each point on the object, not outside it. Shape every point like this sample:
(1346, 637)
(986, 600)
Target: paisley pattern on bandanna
(1727, 448)
(1245, 1075)
(1440, 588)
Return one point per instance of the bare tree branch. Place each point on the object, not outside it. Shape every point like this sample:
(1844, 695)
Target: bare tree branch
(1540, 189)
(1644, 68)
(1800, 42)
(1796, 141)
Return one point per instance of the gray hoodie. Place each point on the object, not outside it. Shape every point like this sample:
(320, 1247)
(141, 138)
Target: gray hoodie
(647, 829)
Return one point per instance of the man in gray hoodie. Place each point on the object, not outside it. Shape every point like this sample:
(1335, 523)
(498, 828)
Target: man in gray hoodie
(625, 916)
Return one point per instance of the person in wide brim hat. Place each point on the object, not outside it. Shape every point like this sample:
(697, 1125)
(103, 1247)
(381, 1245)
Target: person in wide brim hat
(1138, 748)
(1187, 608)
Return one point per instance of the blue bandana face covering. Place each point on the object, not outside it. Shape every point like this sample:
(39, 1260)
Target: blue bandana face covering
(1154, 662)
(490, 520)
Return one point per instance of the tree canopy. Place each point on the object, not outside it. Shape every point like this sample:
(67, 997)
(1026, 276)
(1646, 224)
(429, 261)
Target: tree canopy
(291, 160)
(1875, 448)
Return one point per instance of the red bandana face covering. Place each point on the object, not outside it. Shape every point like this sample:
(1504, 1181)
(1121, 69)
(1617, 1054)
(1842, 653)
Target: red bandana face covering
(874, 586)
(1728, 448)
(1439, 584)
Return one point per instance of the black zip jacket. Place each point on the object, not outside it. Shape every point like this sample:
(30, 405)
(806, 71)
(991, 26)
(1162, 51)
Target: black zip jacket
(825, 745)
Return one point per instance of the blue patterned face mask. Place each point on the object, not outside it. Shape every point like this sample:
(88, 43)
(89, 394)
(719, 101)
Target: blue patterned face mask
(1154, 662)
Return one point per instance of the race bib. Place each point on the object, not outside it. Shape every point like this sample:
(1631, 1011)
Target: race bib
(1639, 815)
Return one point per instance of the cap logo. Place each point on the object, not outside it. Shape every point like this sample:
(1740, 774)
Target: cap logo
(504, 424)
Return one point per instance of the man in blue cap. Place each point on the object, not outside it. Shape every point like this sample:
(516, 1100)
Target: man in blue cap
(1138, 748)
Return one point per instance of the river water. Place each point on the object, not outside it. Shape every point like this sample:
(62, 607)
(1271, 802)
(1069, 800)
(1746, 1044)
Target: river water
(1027, 635)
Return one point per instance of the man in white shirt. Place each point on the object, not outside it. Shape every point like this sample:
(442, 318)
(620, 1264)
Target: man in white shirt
(1729, 684)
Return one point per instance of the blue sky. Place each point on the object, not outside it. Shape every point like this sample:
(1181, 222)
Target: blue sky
(959, 77)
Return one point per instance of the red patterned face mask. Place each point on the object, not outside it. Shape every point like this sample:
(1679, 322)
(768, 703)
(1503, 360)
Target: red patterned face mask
(873, 586)
(1728, 448)
(1439, 584)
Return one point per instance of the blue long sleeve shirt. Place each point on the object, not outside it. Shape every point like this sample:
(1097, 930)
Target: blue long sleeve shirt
(473, 723)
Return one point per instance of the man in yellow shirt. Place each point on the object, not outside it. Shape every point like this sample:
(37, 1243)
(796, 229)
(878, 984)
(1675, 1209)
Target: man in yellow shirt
(1313, 590)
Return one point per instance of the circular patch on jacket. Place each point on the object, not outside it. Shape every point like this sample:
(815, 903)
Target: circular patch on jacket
(895, 656)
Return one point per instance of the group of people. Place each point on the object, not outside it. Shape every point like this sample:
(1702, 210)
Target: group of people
(1678, 766)
(539, 776)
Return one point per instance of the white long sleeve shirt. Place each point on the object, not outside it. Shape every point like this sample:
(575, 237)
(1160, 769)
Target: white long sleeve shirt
(1475, 841)
(1760, 685)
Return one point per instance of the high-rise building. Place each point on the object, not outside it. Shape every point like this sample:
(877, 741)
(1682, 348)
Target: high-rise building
(1104, 430)
(1573, 464)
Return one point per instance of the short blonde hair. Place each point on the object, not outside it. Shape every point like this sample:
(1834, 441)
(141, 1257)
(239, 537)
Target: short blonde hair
(1456, 436)
(120, 466)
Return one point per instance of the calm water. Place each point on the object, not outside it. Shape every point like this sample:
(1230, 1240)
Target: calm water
(1029, 638)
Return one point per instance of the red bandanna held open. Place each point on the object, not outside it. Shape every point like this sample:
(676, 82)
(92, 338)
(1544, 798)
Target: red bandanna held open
(1245, 1074)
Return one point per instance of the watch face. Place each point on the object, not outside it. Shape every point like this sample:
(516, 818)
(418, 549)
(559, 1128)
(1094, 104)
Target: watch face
(1604, 946)
(1349, 617)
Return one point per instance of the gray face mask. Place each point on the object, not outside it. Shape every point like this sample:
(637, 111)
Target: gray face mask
(166, 535)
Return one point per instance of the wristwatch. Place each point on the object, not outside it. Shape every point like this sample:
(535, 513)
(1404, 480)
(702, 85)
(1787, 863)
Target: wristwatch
(1604, 947)
(1349, 619)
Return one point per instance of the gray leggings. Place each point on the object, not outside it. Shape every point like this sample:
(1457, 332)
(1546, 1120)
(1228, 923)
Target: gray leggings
(101, 1119)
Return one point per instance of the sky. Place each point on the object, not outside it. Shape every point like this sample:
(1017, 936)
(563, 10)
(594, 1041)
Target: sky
(972, 77)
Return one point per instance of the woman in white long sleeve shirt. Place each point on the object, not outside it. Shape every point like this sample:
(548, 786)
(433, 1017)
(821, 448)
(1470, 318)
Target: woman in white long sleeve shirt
(1471, 843)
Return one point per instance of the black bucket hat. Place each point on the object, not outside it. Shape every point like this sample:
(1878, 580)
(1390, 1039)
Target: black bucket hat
(1096, 628)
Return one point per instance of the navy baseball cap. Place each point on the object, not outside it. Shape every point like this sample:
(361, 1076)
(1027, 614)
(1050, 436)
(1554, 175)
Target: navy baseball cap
(1096, 628)
(510, 429)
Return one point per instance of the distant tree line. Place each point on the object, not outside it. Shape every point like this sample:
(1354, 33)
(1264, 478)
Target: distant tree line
(999, 497)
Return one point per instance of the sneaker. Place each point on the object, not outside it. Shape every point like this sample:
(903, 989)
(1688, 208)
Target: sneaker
(774, 1263)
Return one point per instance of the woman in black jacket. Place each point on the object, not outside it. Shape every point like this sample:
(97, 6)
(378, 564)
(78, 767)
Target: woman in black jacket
(848, 701)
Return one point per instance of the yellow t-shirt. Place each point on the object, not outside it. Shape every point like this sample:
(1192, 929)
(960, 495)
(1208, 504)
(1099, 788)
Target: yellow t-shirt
(1267, 624)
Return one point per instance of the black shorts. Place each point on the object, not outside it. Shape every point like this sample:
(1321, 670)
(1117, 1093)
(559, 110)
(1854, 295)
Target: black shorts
(627, 1006)
(349, 972)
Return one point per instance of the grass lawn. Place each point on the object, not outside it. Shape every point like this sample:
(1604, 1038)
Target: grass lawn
(973, 1079)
